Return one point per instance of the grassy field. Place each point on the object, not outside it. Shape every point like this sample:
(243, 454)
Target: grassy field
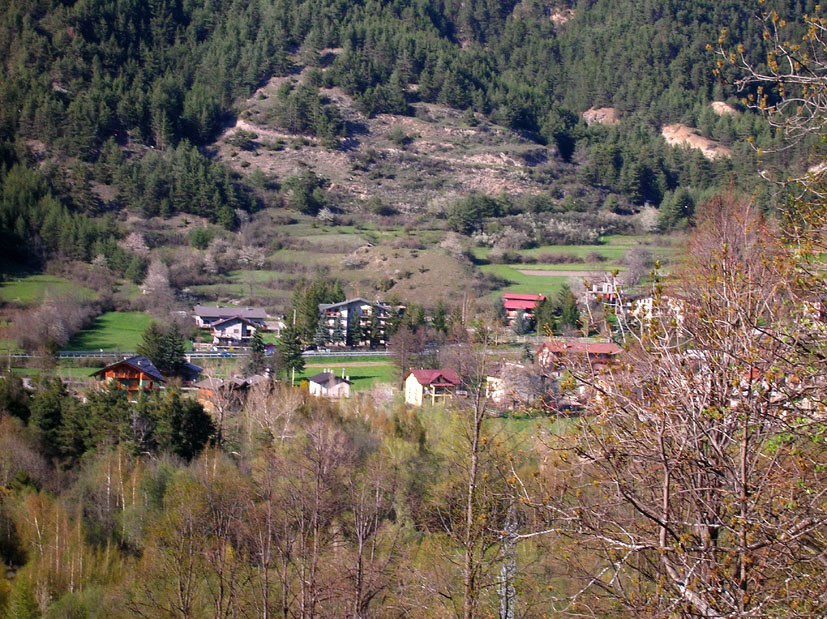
(363, 375)
(112, 331)
(613, 247)
(32, 289)
(525, 284)
(327, 361)
(66, 373)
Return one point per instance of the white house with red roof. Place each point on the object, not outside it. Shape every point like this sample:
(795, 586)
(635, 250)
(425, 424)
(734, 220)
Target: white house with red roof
(420, 385)
(517, 305)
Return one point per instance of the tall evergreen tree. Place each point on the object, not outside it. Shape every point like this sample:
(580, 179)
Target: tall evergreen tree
(290, 350)
(256, 361)
(152, 344)
(173, 354)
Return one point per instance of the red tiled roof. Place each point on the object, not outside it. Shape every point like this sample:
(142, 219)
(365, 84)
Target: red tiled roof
(508, 296)
(575, 346)
(430, 377)
(519, 304)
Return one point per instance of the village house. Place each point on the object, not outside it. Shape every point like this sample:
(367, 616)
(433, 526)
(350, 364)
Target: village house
(338, 321)
(328, 385)
(512, 385)
(556, 354)
(135, 375)
(138, 374)
(519, 305)
(207, 315)
(436, 385)
(215, 393)
(235, 331)
(645, 308)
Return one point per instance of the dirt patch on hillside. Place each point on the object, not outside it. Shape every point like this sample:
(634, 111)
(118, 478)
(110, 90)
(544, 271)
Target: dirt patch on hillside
(561, 16)
(440, 154)
(723, 109)
(681, 135)
(601, 116)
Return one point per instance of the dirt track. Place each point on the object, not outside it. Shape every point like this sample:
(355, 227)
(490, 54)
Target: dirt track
(549, 273)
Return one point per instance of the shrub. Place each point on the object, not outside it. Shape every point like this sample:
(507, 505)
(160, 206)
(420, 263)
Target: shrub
(558, 258)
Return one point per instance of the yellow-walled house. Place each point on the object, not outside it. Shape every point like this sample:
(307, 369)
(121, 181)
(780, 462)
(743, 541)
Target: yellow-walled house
(433, 385)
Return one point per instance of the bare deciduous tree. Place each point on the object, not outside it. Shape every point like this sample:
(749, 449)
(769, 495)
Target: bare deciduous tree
(696, 486)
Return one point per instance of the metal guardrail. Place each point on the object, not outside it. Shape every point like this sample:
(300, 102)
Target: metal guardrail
(345, 353)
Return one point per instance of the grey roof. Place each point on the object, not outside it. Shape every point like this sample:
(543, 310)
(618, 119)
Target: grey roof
(139, 363)
(360, 300)
(229, 311)
(238, 382)
(210, 383)
(328, 379)
(190, 371)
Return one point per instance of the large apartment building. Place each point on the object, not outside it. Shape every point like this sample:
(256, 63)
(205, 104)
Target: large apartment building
(354, 322)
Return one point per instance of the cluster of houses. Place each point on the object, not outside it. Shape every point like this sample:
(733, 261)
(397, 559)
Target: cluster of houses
(355, 323)
(360, 322)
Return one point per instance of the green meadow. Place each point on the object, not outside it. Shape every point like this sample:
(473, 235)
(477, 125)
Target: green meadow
(32, 289)
(112, 331)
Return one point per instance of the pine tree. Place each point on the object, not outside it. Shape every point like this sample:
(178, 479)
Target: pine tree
(440, 319)
(322, 335)
(256, 361)
(152, 344)
(339, 336)
(47, 412)
(569, 312)
(181, 425)
(290, 350)
(173, 353)
(355, 332)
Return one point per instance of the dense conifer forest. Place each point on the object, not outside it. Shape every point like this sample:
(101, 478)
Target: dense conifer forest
(128, 94)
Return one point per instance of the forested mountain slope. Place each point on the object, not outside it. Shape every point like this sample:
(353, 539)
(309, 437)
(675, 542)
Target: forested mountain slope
(113, 101)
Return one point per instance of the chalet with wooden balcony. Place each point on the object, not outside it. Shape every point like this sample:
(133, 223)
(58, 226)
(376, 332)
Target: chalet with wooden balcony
(136, 375)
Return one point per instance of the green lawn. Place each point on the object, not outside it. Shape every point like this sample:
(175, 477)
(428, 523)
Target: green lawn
(344, 361)
(525, 284)
(112, 331)
(363, 377)
(66, 373)
(32, 289)
(613, 247)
